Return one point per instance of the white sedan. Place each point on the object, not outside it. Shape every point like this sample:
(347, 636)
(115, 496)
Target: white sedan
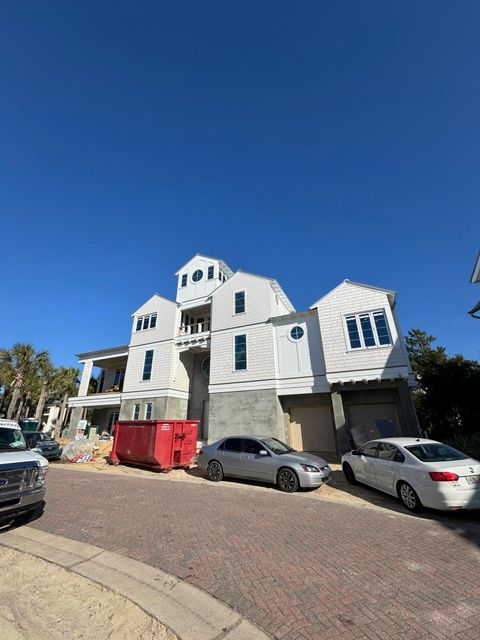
(421, 472)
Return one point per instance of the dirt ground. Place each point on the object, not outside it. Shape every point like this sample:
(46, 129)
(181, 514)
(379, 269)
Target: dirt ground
(338, 489)
(40, 601)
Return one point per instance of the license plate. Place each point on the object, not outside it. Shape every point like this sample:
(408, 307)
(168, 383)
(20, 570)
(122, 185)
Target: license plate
(473, 479)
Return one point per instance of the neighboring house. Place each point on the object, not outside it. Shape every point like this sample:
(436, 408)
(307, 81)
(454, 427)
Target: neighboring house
(233, 353)
(475, 278)
(50, 415)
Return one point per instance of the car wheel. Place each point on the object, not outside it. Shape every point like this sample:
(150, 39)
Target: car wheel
(349, 473)
(409, 497)
(215, 471)
(287, 480)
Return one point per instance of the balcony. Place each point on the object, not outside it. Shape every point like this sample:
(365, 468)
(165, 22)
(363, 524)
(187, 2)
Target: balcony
(194, 336)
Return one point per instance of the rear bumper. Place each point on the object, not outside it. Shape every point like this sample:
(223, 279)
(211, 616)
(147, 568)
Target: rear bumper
(15, 506)
(448, 499)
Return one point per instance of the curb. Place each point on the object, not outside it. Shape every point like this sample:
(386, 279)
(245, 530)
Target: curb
(192, 614)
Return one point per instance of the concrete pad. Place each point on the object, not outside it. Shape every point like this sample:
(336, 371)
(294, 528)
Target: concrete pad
(189, 612)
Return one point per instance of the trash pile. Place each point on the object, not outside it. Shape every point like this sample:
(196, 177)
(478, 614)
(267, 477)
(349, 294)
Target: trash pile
(78, 451)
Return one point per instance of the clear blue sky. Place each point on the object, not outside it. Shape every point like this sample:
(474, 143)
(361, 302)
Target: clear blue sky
(310, 141)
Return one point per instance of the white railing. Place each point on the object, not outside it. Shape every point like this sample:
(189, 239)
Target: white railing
(198, 327)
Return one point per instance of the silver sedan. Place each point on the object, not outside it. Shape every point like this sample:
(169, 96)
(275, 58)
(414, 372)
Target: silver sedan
(265, 459)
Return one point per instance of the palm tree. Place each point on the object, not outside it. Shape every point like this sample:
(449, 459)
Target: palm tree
(17, 365)
(65, 384)
(47, 374)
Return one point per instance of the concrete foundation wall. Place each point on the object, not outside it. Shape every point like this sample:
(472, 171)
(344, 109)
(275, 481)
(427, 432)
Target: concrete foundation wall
(245, 412)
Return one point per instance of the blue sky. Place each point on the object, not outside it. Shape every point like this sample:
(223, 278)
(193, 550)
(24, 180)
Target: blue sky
(311, 142)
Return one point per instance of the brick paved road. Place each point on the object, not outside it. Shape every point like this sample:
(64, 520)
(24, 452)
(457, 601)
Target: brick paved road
(296, 566)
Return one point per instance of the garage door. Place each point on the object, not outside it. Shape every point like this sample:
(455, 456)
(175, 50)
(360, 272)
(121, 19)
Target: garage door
(311, 429)
(374, 420)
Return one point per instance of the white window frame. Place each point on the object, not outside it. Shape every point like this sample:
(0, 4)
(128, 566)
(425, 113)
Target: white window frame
(244, 303)
(147, 405)
(240, 333)
(369, 313)
(142, 318)
(211, 266)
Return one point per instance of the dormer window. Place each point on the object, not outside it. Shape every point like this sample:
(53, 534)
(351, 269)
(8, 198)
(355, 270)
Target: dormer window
(211, 272)
(146, 322)
(367, 330)
(184, 280)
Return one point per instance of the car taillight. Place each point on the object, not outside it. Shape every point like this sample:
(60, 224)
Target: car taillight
(443, 476)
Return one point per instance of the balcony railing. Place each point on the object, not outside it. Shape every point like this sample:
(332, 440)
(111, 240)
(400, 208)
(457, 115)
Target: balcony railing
(189, 329)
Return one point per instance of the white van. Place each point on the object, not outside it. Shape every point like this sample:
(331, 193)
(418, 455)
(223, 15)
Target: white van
(22, 475)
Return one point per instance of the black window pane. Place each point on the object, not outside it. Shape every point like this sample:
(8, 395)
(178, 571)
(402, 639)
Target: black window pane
(145, 322)
(139, 323)
(252, 446)
(147, 366)
(240, 352)
(184, 280)
(233, 444)
(353, 333)
(210, 272)
(240, 302)
(116, 379)
(153, 321)
(367, 331)
(381, 326)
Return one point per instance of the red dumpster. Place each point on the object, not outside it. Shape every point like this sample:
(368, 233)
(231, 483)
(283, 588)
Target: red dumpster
(157, 444)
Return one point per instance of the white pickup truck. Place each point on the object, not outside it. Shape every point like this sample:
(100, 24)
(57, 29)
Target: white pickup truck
(22, 475)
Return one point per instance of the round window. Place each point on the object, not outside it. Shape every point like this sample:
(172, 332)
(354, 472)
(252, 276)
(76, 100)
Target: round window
(197, 275)
(205, 366)
(297, 333)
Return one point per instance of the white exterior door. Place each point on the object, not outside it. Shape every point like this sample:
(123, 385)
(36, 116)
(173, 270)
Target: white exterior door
(311, 429)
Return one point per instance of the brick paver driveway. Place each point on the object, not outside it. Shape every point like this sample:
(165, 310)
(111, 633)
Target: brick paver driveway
(298, 567)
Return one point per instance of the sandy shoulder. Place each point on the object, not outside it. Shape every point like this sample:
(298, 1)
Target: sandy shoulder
(40, 601)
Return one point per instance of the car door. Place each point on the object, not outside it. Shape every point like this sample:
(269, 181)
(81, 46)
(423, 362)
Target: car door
(387, 464)
(254, 465)
(232, 456)
(365, 465)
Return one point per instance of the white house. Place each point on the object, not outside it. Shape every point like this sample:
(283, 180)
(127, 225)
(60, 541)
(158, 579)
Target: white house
(232, 352)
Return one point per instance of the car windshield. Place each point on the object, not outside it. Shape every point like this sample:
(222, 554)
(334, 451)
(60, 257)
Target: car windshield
(12, 439)
(39, 437)
(277, 446)
(435, 452)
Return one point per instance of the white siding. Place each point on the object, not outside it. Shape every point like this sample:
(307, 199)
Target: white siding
(260, 356)
(167, 320)
(258, 302)
(204, 287)
(340, 360)
(302, 357)
(162, 363)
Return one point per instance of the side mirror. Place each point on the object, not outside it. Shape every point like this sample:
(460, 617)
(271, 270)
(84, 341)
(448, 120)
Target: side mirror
(355, 452)
(262, 452)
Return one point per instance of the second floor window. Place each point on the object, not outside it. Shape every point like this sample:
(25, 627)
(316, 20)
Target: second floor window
(211, 271)
(240, 302)
(368, 330)
(146, 322)
(147, 365)
(184, 280)
(148, 411)
(119, 377)
(240, 352)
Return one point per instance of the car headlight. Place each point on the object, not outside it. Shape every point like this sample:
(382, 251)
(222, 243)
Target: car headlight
(40, 478)
(310, 468)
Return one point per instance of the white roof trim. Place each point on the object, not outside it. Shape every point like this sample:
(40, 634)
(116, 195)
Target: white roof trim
(475, 277)
(391, 294)
(273, 283)
(223, 265)
(155, 295)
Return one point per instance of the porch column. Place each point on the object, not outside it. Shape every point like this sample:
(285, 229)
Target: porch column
(412, 428)
(86, 375)
(343, 441)
(75, 417)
